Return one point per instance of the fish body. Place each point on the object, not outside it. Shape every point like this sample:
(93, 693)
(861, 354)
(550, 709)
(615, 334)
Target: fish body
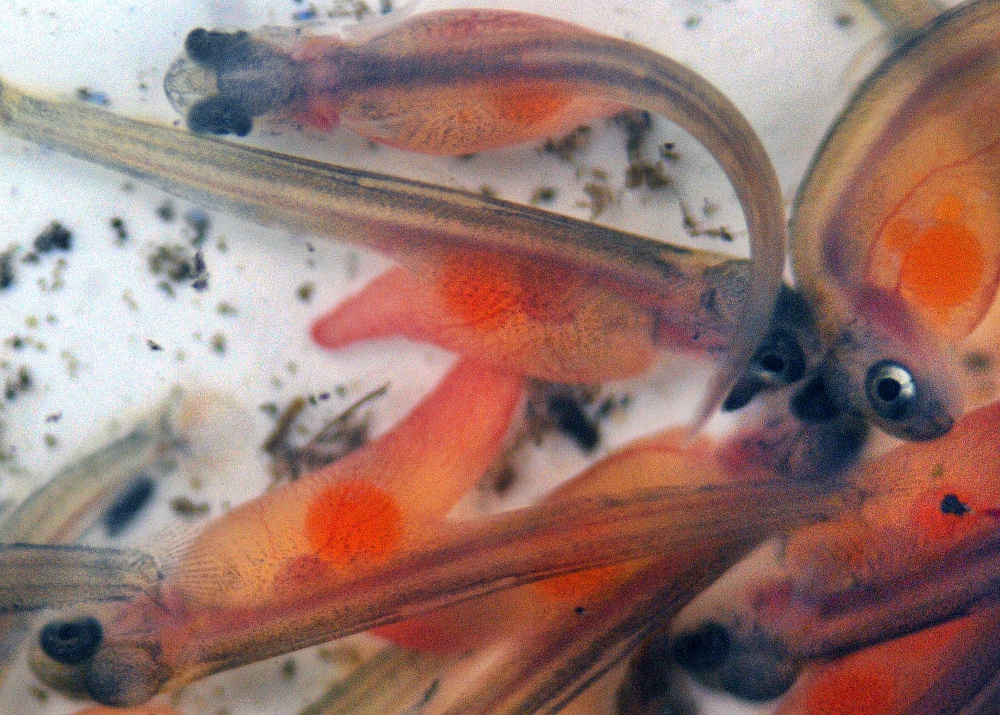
(431, 83)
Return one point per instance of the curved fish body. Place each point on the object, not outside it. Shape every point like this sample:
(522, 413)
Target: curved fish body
(919, 547)
(893, 235)
(950, 669)
(382, 82)
(62, 511)
(575, 285)
(461, 81)
(160, 643)
(626, 296)
(894, 231)
(363, 543)
(433, 83)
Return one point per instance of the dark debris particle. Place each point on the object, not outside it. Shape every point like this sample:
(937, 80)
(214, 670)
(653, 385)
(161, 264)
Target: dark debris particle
(19, 383)
(7, 274)
(54, 238)
(286, 418)
(340, 436)
(574, 422)
(601, 197)
(642, 174)
(695, 229)
(951, 504)
(128, 504)
(86, 94)
(198, 223)
(579, 610)
(185, 506)
(166, 211)
(153, 345)
(305, 291)
(844, 20)
(543, 195)
(289, 669)
(53, 417)
(179, 265)
(218, 343)
(576, 411)
(612, 404)
(636, 124)
(309, 13)
(568, 146)
(172, 262)
(117, 224)
(269, 408)
(668, 152)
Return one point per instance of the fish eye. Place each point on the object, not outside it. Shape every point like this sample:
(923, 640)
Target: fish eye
(71, 642)
(705, 648)
(218, 115)
(892, 392)
(780, 359)
(748, 664)
(209, 47)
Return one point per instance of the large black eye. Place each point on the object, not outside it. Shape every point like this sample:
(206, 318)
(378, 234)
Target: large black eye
(779, 359)
(219, 115)
(71, 642)
(705, 648)
(209, 47)
(891, 390)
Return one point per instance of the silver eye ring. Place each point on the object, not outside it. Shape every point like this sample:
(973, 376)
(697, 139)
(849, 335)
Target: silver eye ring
(891, 390)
